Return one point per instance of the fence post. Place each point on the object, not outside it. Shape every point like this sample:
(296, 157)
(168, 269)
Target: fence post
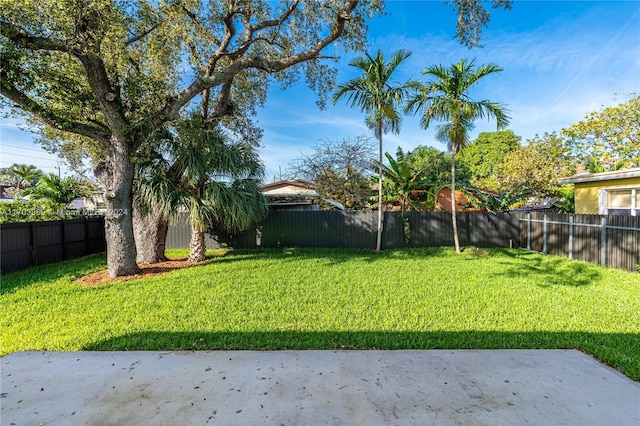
(528, 230)
(32, 245)
(571, 236)
(86, 236)
(544, 234)
(64, 240)
(603, 241)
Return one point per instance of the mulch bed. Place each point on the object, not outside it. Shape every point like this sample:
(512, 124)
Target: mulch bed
(147, 271)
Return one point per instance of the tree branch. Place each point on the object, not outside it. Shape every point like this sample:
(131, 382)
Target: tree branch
(223, 106)
(21, 38)
(279, 21)
(172, 106)
(89, 38)
(24, 102)
(142, 34)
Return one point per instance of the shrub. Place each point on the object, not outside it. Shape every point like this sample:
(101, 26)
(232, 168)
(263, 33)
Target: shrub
(34, 211)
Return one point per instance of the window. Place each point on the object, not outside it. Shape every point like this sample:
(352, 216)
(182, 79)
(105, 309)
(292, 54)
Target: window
(623, 201)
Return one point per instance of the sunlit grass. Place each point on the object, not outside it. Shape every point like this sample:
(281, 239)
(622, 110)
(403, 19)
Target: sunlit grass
(327, 299)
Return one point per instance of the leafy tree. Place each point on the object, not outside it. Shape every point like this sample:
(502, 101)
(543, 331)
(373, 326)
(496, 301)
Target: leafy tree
(540, 162)
(339, 169)
(446, 99)
(216, 180)
(111, 72)
(484, 156)
(61, 191)
(378, 96)
(25, 175)
(610, 135)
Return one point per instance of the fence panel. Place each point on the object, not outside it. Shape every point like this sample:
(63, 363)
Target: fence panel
(36, 243)
(430, 230)
(16, 246)
(95, 240)
(623, 246)
(179, 235)
(319, 229)
(358, 230)
(48, 239)
(603, 240)
(493, 230)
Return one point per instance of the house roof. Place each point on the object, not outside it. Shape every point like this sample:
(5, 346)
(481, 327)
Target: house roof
(297, 189)
(584, 176)
(289, 188)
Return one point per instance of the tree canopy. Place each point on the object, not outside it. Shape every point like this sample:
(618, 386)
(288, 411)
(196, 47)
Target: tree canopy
(484, 157)
(610, 135)
(539, 163)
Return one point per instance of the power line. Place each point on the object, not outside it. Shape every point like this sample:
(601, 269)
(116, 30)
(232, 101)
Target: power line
(30, 156)
(40, 167)
(21, 147)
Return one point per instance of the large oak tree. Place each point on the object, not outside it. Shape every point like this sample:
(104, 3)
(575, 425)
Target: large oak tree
(115, 71)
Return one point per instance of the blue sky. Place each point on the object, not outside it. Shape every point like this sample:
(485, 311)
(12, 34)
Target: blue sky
(561, 60)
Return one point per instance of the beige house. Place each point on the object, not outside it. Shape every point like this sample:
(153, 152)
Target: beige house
(294, 195)
(615, 193)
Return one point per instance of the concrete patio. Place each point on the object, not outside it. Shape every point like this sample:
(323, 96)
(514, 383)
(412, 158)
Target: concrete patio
(445, 387)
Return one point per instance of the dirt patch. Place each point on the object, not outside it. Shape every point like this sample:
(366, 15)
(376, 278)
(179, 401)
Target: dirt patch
(147, 271)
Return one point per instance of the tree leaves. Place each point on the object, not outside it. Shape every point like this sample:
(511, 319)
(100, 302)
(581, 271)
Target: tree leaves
(610, 135)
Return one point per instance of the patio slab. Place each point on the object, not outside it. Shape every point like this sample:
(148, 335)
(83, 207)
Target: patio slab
(442, 387)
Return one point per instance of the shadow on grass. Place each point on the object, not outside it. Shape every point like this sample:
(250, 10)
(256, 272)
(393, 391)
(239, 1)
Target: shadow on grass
(334, 256)
(551, 270)
(619, 350)
(48, 273)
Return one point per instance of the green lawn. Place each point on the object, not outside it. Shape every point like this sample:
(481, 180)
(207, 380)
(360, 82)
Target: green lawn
(327, 299)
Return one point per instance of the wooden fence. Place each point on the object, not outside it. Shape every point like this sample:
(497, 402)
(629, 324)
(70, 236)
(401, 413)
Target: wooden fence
(603, 240)
(28, 244)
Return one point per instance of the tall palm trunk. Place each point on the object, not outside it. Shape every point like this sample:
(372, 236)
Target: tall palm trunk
(197, 246)
(454, 221)
(379, 237)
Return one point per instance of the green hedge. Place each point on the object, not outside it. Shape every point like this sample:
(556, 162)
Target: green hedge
(35, 211)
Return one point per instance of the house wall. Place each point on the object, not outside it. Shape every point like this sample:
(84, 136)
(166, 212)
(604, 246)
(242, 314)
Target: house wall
(588, 193)
(444, 201)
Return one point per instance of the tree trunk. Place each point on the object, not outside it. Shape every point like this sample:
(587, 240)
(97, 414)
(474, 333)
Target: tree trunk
(150, 232)
(116, 174)
(197, 245)
(454, 221)
(379, 237)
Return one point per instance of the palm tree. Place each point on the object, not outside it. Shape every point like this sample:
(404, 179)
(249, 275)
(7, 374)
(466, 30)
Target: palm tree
(27, 175)
(378, 96)
(446, 99)
(60, 191)
(215, 179)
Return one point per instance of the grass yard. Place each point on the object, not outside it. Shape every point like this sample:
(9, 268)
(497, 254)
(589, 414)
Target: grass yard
(333, 299)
